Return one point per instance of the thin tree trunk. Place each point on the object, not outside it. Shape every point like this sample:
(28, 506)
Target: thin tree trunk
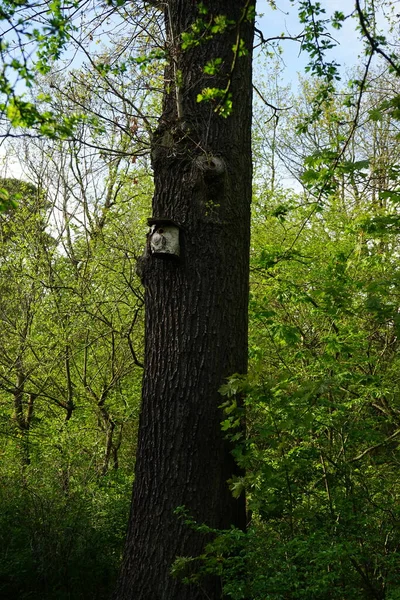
(196, 309)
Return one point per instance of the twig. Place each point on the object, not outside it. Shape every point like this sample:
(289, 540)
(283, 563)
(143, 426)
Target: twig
(376, 446)
(373, 42)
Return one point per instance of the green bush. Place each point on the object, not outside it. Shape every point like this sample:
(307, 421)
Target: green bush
(55, 546)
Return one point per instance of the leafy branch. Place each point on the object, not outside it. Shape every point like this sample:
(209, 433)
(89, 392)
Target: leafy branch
(374, 42)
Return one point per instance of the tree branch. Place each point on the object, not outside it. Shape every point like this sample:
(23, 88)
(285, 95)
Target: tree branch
(376, 446)
(375, 47)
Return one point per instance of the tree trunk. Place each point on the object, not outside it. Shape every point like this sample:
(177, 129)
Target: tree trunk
(196, 306)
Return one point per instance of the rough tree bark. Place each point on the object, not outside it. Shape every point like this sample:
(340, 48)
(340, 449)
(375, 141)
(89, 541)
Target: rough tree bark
(196, 307)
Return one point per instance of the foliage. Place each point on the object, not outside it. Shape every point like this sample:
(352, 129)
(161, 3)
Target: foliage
(70, 370)
(56, 545)
(320, 455)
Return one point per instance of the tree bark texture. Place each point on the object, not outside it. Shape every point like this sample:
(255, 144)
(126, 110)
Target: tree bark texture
(196, 306)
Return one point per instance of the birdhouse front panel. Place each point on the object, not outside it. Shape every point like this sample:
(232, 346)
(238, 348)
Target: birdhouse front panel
(164, 239)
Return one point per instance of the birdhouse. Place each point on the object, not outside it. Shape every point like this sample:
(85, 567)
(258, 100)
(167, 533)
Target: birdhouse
(164, 237)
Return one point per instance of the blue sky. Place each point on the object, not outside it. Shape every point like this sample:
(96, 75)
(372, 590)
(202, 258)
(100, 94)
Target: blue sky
(285, 20)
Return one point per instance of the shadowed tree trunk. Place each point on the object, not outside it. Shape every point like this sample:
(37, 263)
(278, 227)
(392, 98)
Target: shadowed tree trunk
(196, 306)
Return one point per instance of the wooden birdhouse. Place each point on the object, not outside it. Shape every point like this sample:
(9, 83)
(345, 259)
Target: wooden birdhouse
(164, 237)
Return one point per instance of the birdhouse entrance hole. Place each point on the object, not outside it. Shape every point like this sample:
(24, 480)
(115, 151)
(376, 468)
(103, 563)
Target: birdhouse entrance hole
(164, 237)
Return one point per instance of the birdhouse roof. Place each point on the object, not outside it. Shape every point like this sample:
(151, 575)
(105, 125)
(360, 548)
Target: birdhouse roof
(162, 221)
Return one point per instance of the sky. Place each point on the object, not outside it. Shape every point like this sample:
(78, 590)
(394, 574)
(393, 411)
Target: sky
(285, 20)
